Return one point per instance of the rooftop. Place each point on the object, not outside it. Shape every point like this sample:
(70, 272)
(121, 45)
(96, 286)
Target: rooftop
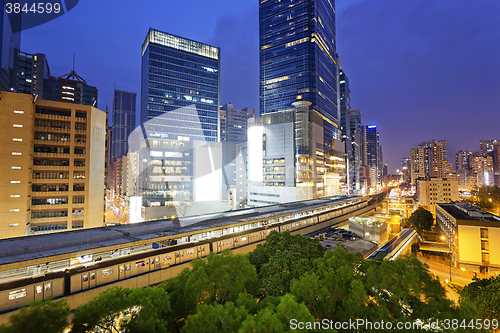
(466, 212)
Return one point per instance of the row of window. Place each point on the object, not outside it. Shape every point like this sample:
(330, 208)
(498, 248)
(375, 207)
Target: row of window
(49, 162)
(58, 175)
(59, 112)
(56, 188)
(55, 201)
(59, 137)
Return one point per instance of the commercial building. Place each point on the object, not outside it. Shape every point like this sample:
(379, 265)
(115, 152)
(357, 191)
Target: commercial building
(356, 148)
(432, 191)
(123, 123)
(52, 160)
(298, 60)
(472, 235)
(10, 43)
(180, 104)
(31, 72)
(286, 161)
(233, 133)
(69, 88)
(179, 72)
(374, 154)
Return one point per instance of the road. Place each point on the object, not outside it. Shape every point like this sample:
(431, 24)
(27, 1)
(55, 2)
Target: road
(451, 293)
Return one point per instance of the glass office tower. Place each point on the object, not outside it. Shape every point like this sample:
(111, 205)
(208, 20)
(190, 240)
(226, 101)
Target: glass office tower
(179, 122)
(123, 123)
(10, 42)
(178, 72)
(298, 59)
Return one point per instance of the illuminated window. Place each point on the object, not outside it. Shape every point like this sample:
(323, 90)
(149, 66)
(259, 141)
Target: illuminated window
(17, 125)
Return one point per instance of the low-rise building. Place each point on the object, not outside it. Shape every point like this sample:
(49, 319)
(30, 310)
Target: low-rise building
(472, 235)
(370, 228)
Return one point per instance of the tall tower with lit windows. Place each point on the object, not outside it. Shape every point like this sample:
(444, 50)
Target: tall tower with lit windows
(298, 59)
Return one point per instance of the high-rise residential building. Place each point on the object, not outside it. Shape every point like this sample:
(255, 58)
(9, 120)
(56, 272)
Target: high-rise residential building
(285, 159)
(123, 123)
(52, 160)
(427, 161)
(10, 43)
(463, 162)
(298, 59)
(486, 147)
(31, 72)
(495, 155)
(178, 72)
(69, 88)
(406, 169)
(483, 172)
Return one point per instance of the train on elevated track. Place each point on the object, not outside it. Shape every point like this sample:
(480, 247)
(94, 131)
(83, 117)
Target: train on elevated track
(67, 263)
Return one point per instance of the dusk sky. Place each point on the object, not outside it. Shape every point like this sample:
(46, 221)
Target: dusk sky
(419, 70)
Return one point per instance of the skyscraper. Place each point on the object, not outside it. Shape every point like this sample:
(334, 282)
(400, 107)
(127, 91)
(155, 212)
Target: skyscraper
(10, 42)
(373, 151)
(178, 72)
(123, 123)
(345, 126)
(298, 59)
(179, 124)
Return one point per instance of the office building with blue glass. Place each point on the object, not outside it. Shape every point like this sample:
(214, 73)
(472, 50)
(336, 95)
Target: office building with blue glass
(10, 43)
(298, 59)
(179, 124)
(179, 72)
(123, 123)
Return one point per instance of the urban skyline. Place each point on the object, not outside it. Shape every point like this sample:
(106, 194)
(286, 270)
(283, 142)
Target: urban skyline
(115, 190)
(408, 75)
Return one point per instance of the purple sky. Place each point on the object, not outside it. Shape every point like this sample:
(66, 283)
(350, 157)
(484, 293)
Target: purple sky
(419, 70)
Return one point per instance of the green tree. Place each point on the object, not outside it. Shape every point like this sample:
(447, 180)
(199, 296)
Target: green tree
(103, 312)
(343, 286)
(219, 278)
(485, 295)
(420, 220)
(216, 318)
(39, 317)
(281, 259)
(129, 310)
(278, 318)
